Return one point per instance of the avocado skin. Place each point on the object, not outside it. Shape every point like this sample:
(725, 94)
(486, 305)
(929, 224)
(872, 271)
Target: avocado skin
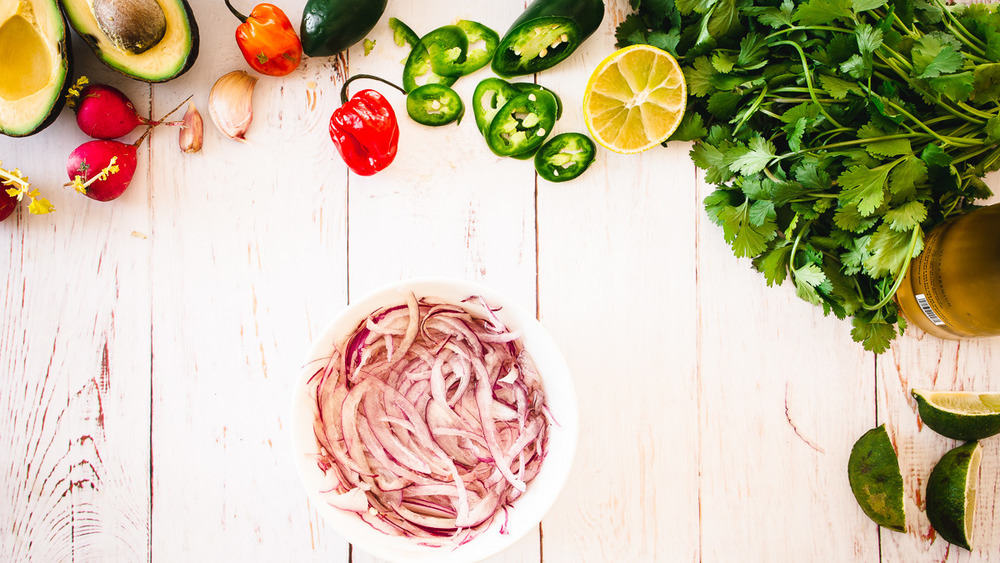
(330, 26)
(65, 53)
(93, 42)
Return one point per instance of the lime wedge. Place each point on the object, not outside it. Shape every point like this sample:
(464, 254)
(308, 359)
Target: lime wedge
(873, 470)
(958, 414)
(951, 494)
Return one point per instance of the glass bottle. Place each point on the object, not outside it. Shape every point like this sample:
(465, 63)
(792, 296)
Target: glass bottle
(952, 289)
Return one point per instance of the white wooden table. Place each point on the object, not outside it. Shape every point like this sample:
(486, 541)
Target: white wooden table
(148, 346)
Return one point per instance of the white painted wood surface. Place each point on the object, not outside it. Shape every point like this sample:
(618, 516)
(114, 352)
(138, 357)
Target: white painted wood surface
(148, 345)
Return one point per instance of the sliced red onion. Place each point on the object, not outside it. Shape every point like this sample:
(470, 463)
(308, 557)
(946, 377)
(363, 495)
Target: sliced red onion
(432, 419)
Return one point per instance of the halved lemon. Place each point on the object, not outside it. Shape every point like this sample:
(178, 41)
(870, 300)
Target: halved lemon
(635, 99)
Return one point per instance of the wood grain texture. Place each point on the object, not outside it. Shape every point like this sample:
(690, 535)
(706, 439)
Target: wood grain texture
(248, 265)
(921, 361)
(148, 346)
(617, 282)
(74, 405)
(446, 206)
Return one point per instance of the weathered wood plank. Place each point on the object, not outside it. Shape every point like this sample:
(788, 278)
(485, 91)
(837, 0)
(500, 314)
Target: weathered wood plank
(921, 361)
(784, 393)
(446, 206)
(616, 280)
(248, 265)
(74, 358)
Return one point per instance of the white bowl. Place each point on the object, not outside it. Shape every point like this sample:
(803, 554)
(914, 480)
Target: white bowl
(527, 511)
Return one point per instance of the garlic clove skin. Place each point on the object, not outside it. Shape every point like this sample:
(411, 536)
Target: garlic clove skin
(230, 104)
(192, 130)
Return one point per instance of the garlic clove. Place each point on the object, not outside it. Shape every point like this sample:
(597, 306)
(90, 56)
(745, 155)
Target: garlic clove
(230, 104)
(192, 130)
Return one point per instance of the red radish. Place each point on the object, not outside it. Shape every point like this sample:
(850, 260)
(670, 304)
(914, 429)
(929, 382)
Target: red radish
(7, 203)
(102, 170)
(105, 112)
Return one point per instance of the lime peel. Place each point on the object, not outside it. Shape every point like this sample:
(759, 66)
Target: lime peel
(951, 494)
(961, 415)
(877, 483)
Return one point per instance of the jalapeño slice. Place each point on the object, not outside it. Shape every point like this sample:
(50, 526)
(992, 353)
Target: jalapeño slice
(565, 157)
(434, 105)
(522, 124)
(489, 96)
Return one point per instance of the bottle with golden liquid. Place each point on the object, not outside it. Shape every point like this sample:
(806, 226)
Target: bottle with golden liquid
(952, 289)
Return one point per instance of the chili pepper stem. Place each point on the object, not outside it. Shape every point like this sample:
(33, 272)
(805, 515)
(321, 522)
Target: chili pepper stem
(343, 89)
(238, 15)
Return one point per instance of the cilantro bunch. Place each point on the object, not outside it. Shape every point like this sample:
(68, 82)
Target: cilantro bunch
(837, 132)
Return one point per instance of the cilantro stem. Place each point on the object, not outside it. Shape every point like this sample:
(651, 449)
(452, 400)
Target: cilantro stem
(807, 28)
(961, 32)
(855, 142)
(933, 97)
(957, 142)
(899, 276)
(808, 75)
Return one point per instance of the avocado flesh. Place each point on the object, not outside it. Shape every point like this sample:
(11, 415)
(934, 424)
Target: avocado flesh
(34, 66)
(169, 57)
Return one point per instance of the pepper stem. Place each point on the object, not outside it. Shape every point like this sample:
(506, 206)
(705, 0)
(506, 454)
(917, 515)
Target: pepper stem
(238, 15)
(343, 90)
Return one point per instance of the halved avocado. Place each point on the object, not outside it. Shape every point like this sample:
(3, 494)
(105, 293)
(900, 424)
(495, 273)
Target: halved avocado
(34, 65)
(149, 40)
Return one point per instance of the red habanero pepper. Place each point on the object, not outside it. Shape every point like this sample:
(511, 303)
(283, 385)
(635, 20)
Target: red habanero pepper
(268, 40)
(364, 129)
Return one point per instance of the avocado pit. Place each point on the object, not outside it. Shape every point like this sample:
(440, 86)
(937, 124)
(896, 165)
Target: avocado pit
(133, 26)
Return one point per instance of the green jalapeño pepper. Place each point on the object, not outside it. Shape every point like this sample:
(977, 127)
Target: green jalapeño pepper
(482, 43)
(532, 87)
(545, 34)
(565, 157)
(434, 104)
(402, 34)
(522, 124)
(489, 96)
(444, 42)
(330, 26)
(447, 47)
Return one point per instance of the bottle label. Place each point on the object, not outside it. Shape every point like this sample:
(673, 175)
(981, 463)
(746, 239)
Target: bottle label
(926, 308)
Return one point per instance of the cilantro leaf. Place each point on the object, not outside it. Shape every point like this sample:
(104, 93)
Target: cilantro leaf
(839, 89)
(746, 238)
(774, 263)
(935, 54)
(907, 176)
(698, 77)
(819, 12)
(888, 250)
(865, 187)
(807, 279)
(866, 5)
(770, 16)
(907, 216)
(874, 334)
(958, 86)
(692, 127)
(752, 158)
(889, 147)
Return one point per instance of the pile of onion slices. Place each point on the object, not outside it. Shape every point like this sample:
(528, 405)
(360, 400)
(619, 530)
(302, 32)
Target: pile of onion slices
(431, 420)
